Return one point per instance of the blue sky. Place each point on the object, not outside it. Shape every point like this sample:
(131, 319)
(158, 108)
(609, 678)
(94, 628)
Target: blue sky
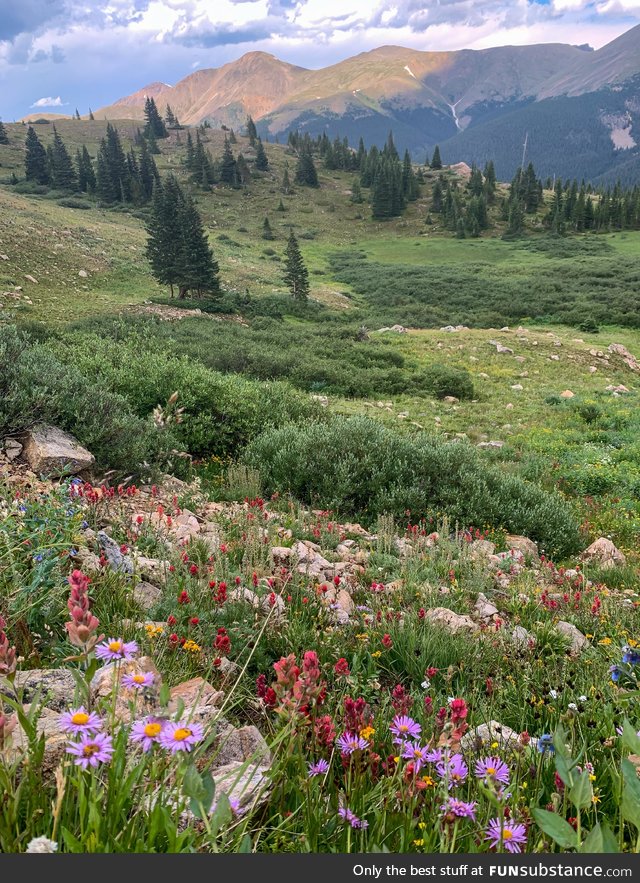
(59, 54)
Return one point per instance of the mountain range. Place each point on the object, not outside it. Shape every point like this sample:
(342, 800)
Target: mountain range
(577, 109)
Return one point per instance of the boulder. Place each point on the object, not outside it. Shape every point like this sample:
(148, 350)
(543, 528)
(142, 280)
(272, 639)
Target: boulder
(146, 595)
(52, 452)
(481, 738)
(567, 394)
(522, 638)
(450, 621)
(194, 694)
(523, 544)
(578, 640)
(116, 559)
(109, 679)
(48, 724)
(12, 449)
(629, 360)
(245, 784)
(604, 554)
(54, 687)
(484, 608)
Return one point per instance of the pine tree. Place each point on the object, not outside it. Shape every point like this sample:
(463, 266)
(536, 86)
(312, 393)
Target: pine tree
(437, 196)
(436, 162)
(228, 170)
(296, 275)
(356, 192)
(382, 195)
(113, 179)
(280, 207)
(267, 232)
(86, 175)
(243, 170)
(515, 226)
(170, 117)
(490, 182)
(154, 123)
(306, 173)
(286, 183)
(252, 132)
(147, 173)
(62, 171)
(4, 138)
(262, 163)
(36, 165)
(91, 116)
(232, 137)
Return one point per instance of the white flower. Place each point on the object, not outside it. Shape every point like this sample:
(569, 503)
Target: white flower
(553, 694)
(426, 684)
(42, 844)
(582, 698)
(572, 706)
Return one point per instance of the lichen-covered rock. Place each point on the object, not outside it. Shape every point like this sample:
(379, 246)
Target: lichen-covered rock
(450, 621)
(604, 554)
(52, 452)
(578, 640)
(54, 687)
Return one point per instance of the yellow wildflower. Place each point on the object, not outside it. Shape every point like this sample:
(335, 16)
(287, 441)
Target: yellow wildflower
(418, 842)
(376, 654)
(191, 646)
(605, 642)
(367, 732)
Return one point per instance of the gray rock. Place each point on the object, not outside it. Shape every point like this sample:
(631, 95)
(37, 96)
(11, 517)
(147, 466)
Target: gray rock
(12, 449)
(54, 686)
(50, 451)
(603, 553)
(482, 737)
(146, 595)
(578, 640)
(115, 558)
(450, 621)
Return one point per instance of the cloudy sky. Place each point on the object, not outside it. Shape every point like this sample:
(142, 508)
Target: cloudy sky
(61, 54)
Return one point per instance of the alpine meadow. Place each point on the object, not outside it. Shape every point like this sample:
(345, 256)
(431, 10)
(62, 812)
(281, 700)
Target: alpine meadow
(320, 429)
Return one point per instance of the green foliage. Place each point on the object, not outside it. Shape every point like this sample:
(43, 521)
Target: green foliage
(296, 275)
(359, 468)
(444, 380)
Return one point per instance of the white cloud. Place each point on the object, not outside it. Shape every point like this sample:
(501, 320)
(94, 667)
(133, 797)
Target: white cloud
(49, 102)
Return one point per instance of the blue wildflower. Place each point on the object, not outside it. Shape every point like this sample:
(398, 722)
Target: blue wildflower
(615, 672)
(630, 656)
(545, 744)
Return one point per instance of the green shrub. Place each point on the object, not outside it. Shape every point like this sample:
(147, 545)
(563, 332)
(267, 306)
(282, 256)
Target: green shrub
(359, 468)
(444, 380)
(73, 202)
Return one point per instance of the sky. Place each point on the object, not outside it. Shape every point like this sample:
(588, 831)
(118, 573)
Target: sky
(56, 55)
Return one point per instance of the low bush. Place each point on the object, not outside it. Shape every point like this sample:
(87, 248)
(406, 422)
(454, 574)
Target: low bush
(359, 468)
(444, 380)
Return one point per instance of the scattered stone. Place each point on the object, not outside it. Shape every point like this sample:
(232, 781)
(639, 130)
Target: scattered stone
(451, 621)
(567, 394)
(617, 390)
(52, 452)
(451, 400)
(12, 449)
(630, 361)
(146, 595)
(54, 686)
(453, 328)
(490, 444)
(116, 559)
(482, 737)
(523, 544)
(48, 724)
(31, 279)
(518, 387)
(109, 679)
(500, 348)
(484, 608)
(521, 637)
(604, 554)
(578, 640)
(196, 693)
(592, 369)
(83, 274)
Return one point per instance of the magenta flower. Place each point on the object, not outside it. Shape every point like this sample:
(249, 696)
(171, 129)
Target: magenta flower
(147, 732)
(459, 808)
(415, 752)
(453, 768)
(319, 768)
(404, 728)
(91, 750)
(80, 721)
(493, 770)
(350, 742)
(511, 836)
(434, 756)
(179, 736)
(352, 818)
(115, 649)
(138, 681)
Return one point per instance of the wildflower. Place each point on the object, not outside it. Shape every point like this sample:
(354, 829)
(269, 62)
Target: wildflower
(41, 845)
(387, 642)
(404, 727)
(367, 732)
(179, 736)
(376, 654)
(350, 742)
(545, 744)
(509, 835)
(630, 656)
(83, 625)
(352, 818)
(8, 660)
(452, 768)
(459, 809)
(434, 756)
(553, 694)
(341, 668)
(138, 681)
(492, 769)
(91, 750)
(147, 732)
(416, 753)
(80, 721)
(116, 649)
(222, 642)
(319, 768)
(191, 646)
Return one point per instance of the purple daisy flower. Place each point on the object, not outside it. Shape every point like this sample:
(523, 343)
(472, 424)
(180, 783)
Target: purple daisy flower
(404, 728)
(138, 681)
(350, 742)
(415, 752)
(492, 769)
(147, 732)
(352, 818)
(511, 835)
(434, 756)
(91, 750)
(179, 736)
(459, 808)
(78, 720)
(319, 768)
(453, 768)
(115, 649)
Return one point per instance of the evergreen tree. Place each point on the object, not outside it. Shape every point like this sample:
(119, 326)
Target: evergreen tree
(113, 178)
(490, 182)
(243, 170)
(281, 207)
(76, 115)
(437, 196)
(86, 174)
(153, 143)
(267, 232)
(296, 275)
(252, 132)
(410, 189)
(36, 165)
(154, 123)
(262, 163)
(4, 138)
(91, 116)
(190, 153)
(62, 172)
(228, 169)
(436, 162)
(232, 137)
(356, 192)
(177, 247)
(515, 226)
(286, 183)
(147, 173)
(306, 173)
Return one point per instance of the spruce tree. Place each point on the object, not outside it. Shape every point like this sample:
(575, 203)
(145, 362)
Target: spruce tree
(280, 207)
(36, 165)
(252, 132)
(267, 232)
(286, 183)
(436, 162)
(91, 116)
(147, 173)
(306, 173)
(4, 138)
(113, 178)
(76, 115)
(356, 192)
(86, 174)
(62, 172)
(170, 117)
(262, 163)
(243, 170)
(154, 123)
(437, 196)
(296, 275)
(228, 170)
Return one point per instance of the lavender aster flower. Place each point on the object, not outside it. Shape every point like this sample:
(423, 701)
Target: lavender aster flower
(404, 728)
(319, 768)
(179, 736)
(415, 752)
(492, 769)
(434, 756)
(115, 649)
(512, 836)
(91, 750)
(352, 818)
(350, 742)
(147, 732)
(459, 808)
(453, 768)
(80, 721)
(138, 681)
